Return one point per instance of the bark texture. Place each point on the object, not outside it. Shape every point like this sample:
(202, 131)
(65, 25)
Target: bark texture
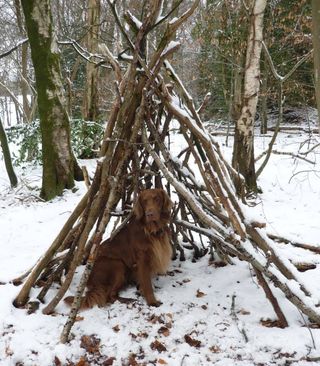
(58, 160)
(243, 150)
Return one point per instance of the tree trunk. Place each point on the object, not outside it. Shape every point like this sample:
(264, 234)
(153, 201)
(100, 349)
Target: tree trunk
(59, 165)
(264, 101)
(7, 157)
(24, 65)
(316, 51)
(243, 148)
(90, 100)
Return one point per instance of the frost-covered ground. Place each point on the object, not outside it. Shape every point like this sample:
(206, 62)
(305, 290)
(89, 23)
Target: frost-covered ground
(195, 325)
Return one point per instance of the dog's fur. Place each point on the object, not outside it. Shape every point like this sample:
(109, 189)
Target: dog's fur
(139, 251)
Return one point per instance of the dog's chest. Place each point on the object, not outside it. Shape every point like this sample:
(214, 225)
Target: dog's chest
(161, 254)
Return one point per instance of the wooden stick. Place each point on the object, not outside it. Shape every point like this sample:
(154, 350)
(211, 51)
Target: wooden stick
(22, 297)
(263, 283)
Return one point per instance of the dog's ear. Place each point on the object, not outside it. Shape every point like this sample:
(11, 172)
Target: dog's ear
(138, 209)
(167, 203)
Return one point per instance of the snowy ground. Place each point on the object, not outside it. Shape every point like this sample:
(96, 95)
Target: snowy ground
(195, 325)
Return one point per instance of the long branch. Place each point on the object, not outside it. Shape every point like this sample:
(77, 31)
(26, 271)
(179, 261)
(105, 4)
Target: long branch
(20, 43)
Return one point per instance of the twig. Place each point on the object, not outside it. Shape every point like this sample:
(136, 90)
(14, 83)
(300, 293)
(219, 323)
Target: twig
(312, 248)
(20, 43)
(236, 319)
(296, 156)
(307, 326)
(275, 134)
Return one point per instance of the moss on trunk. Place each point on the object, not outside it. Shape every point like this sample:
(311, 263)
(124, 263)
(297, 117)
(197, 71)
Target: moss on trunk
(57, 156)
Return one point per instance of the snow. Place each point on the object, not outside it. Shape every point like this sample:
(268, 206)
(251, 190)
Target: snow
(197, 297)
(170, 46)
(135, 20)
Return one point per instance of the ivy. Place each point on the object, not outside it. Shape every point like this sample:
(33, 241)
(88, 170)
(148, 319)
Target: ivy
(85, 140)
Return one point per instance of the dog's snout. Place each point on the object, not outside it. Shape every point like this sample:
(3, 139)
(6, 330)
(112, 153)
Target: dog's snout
(150, 214)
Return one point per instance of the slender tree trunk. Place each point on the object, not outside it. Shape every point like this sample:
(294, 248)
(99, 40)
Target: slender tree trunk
(316, 51)
(24, 64)
(59, 165)
(264, 103)
(243, 149)
(90, 100)
(7, 157)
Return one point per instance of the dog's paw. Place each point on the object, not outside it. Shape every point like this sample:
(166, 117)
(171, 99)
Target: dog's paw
(155, 303)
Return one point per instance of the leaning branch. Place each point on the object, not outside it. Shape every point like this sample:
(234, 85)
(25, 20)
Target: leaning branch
(20, 43)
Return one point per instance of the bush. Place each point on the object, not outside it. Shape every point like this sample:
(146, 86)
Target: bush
(85, 140)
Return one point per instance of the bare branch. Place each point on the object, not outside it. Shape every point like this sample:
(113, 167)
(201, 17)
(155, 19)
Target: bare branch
(20, 43)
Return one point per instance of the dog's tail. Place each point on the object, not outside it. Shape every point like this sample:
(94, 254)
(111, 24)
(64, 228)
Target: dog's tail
(94, 296)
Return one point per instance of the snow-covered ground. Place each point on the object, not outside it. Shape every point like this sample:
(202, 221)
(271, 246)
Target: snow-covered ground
(196, 324)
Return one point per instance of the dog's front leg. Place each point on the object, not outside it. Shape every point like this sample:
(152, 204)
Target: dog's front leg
(144, 280)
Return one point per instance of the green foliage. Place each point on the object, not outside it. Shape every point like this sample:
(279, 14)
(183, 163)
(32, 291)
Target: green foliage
(85, 140)
(28, 138)
(86, 137)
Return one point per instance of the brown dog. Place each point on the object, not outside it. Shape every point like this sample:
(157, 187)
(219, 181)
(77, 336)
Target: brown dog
(139, 251)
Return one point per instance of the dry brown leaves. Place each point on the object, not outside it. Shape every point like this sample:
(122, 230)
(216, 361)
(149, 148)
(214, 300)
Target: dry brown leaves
(157, 345)
(91, 344)
(192, 341)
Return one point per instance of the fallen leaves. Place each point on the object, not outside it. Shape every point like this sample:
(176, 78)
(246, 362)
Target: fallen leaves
(200, 293)
(215, 349)
(116, 328)
(141, 334)
(164, 331)
(165, 319)
(269, 323)
(83, 362)
(157, 345)
(91, 344)
(160, 361)
(192, 341)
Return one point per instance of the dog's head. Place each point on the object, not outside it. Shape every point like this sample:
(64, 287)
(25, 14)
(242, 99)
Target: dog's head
(153, 205)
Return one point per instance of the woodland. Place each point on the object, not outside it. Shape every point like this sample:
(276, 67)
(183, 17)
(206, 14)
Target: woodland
(105, 98)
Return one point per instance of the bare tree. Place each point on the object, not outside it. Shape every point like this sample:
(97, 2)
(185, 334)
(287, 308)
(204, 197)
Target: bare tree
(90, 100)
(243, 150)
(59, 164)
(24, 63)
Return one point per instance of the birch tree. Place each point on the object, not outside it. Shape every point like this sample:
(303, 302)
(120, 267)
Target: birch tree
(243, 150)
(59, 164)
